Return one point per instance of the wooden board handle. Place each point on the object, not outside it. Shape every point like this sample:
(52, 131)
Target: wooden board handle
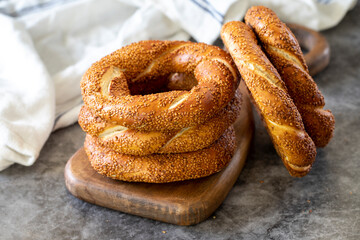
(316, 45)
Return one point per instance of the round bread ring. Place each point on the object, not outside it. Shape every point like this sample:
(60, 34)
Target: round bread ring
(134, 142)
(161, 168)
(108, 86)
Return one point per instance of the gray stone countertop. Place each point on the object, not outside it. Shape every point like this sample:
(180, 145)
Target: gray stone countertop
(265, 202)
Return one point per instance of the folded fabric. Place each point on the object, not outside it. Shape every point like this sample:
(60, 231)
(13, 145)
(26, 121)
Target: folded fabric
(47, 45)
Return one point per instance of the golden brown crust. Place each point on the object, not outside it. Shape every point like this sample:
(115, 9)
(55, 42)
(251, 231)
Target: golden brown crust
(161, 168)
(285, 53)
(134, 142)
(269, 93)
(106, 86)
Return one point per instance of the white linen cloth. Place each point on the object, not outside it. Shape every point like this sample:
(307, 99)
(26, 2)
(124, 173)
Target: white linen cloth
(47, 45)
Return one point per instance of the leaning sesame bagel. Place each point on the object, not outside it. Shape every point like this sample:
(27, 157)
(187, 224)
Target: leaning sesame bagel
(278, 111)
(285, 53)
(119, 87)
(134, 142)
(161, 168)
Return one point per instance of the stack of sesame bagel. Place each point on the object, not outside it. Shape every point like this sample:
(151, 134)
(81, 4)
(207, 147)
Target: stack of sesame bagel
(162, 111)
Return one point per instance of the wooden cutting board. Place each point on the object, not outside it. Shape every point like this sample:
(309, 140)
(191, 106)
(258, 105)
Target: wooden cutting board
(183, 203)
(188, 202)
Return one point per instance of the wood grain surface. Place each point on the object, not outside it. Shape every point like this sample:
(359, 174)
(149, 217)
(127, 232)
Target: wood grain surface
(183, 203)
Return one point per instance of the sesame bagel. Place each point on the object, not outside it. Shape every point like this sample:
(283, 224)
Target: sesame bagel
(285, 53)
(269, 93)
(161, 168)
(119, 88)
(134, 142)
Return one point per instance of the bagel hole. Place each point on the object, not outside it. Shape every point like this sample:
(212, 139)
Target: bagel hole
(181, 81)
(304, 49)
(159, 84)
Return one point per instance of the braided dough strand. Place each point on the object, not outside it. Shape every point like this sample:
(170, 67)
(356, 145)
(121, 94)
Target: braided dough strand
(285, 53)
(270, 96)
